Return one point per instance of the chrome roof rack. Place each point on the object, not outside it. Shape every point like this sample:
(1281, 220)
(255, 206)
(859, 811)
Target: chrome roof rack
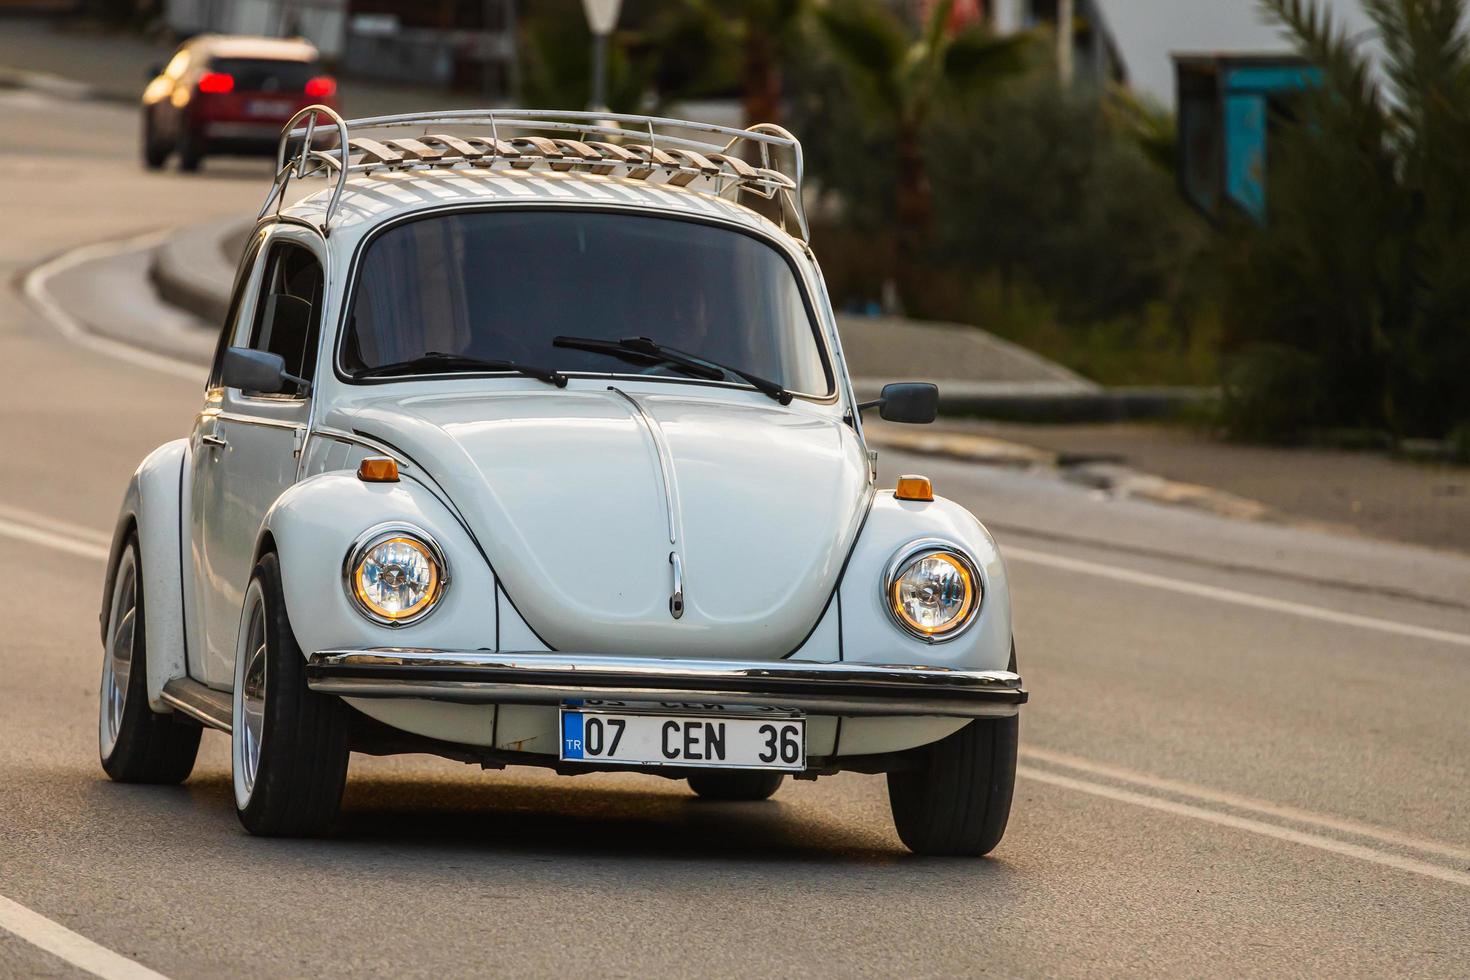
(764, 160)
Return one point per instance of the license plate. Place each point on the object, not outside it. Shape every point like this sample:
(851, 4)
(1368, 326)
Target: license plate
(714, 739)
(267, 107)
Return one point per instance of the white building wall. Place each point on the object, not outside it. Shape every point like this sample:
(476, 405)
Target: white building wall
(322, 22)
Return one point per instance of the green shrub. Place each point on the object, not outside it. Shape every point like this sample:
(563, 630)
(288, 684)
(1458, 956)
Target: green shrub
(1037, 184)
(1270, 392)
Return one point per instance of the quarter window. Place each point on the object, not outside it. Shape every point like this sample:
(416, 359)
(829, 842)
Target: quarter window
(288, 313)
(237, 300)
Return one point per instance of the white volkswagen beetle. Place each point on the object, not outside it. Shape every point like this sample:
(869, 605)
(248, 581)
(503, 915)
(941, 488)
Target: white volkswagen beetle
(529, 441)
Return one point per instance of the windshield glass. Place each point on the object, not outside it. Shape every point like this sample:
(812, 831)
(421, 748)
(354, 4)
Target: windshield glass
(503, 285)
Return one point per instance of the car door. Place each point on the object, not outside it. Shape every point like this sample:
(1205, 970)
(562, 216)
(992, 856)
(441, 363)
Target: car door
(247, 444)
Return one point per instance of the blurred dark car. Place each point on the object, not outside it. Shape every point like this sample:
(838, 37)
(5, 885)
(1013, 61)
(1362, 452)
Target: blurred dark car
(229, 94)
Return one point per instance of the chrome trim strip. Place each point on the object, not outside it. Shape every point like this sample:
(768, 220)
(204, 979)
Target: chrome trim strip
(227, 416)
(204, 704)
(676, 598)
(847, 688)
(665, 462)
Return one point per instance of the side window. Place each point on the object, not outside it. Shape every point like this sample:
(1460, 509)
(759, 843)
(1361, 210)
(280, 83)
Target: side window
(288, 313)
(237, 300)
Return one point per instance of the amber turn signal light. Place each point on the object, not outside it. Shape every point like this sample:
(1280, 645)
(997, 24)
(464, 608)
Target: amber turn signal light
(914, 488)
(378, 469)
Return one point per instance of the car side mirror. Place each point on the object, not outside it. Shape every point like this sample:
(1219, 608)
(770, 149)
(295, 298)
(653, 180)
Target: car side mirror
(915, 402)
(259, 371)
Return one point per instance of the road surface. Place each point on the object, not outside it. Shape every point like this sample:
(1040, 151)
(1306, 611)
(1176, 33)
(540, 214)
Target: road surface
(1247, 752)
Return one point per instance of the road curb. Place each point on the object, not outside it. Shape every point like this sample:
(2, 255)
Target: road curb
(194, 271)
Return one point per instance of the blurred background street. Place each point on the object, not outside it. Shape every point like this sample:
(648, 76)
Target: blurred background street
(1191, 279)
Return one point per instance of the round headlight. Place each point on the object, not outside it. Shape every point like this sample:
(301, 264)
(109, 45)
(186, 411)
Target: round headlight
(932, 591)
(396, 574)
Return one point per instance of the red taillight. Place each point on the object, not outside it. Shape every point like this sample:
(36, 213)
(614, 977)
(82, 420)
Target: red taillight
(321, 87)
(216, 83)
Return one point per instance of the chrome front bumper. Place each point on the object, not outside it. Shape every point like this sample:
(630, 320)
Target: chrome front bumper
(484, 677)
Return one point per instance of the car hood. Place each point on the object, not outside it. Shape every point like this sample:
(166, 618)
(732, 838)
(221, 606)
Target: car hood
(575, 496)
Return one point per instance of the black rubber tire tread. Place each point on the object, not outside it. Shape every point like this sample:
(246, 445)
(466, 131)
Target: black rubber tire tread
(736, 785)
(304, 744)
(190, 155)
(957, 800)
(151, 747)
(155, 155)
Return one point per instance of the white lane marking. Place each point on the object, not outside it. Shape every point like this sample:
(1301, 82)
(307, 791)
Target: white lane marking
(34, 519)
(50, 539)
(1232, 596)
(1248, 825)
(72, 329)
(72, 947)
(1204, 793)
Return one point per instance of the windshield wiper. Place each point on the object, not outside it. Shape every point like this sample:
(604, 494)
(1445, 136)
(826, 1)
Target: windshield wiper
(437, 359)
(645, 349)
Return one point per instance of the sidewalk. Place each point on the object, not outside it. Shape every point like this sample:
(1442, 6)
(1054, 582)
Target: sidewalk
(1364, 493)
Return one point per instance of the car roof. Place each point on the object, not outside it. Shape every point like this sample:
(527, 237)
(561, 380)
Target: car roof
(248, 46)
(373, 198)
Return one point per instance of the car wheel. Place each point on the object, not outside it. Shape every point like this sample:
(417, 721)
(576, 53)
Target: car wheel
(136, 744)
(289, 745)
(741, 784)
(155, 154)
(190, 153)
(956, 797)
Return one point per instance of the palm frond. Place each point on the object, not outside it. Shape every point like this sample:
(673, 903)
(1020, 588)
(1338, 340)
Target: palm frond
(871, 43)
(1326, 44)
(977, 57)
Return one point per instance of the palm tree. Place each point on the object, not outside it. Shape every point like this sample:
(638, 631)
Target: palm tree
(713, 45)
(900, 78)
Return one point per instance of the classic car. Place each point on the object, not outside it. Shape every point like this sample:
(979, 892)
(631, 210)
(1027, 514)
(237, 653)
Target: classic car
(529, 441)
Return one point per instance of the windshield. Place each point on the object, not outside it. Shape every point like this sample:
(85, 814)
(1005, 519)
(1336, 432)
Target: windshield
(503, 285)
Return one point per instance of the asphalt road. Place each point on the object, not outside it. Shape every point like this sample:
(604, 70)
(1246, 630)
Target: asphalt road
(1247, 752)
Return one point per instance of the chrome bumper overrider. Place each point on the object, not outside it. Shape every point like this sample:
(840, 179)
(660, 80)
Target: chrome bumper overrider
(484, 677)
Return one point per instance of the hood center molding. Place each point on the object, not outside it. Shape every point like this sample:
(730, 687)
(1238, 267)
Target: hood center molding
(666, 477)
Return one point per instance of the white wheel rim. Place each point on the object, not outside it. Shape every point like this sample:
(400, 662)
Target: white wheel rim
(117, 658)
(248, 727)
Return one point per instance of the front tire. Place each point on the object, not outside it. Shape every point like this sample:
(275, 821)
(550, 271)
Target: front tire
(136, 744)
(956, 798)
(736, 785)
(289, 745)
(155, 154)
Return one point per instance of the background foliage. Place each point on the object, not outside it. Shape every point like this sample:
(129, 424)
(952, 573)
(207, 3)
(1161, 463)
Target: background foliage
(1351, 307)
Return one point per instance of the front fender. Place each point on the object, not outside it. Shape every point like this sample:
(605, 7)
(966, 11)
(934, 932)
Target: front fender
(870, 636)
(152, 506)
(314, 524)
